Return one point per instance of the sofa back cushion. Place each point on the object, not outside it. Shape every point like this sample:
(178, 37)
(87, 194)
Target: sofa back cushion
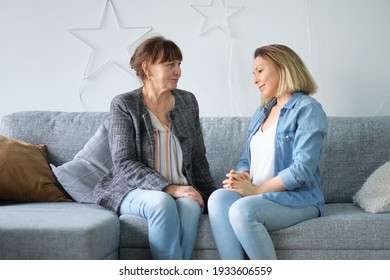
(353, 148)
(64, 133)
(225, 141)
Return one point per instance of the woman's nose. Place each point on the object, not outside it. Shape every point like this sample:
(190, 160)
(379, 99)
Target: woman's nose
(177, 70)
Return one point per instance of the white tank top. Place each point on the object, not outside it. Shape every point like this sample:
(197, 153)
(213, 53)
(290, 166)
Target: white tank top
(262, 148)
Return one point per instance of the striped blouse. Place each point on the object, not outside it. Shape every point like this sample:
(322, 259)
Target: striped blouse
(168, 154)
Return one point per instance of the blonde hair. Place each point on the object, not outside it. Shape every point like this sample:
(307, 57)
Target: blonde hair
(293, 74)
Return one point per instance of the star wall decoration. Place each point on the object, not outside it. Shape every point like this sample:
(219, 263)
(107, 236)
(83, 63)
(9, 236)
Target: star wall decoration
(216, 16)
(109, 42)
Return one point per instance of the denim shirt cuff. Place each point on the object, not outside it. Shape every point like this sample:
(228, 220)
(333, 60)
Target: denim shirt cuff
(288, 179)
(241, 167)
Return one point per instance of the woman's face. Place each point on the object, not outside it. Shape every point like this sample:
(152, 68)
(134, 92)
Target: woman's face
(164, 76)
(266, 77)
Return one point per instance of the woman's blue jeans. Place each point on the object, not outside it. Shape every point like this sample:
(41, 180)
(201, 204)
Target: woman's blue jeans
(240, 224)
(173, 223)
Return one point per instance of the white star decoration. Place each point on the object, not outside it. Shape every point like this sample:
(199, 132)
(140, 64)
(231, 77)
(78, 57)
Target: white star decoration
(109, 42)
(216, 15)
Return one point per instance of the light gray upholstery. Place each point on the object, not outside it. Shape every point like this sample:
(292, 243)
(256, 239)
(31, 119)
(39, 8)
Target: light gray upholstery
(58, 230)
(354, 148)
(64, 133)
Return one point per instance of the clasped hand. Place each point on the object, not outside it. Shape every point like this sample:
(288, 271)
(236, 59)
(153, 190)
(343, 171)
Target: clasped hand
(240, 183)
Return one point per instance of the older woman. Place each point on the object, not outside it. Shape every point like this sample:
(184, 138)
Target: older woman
(277, 181)
(160, 169)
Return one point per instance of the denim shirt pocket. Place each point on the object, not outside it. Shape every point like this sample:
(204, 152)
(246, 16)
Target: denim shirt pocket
(285, 146)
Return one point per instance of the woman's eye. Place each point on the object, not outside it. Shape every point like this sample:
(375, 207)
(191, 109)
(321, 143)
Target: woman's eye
(172, 64)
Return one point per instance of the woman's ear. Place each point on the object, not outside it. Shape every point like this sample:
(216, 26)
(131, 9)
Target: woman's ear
(145, 68)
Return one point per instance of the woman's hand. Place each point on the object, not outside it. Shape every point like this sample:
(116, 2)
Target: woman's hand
(177, 191)
(240, 183)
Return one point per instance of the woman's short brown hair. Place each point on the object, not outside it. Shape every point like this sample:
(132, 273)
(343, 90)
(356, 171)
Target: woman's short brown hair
(156, 49)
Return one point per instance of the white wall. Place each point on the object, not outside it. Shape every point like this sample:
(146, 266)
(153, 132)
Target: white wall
(52, 52)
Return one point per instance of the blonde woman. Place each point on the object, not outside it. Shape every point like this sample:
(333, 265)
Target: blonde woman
(277, 180)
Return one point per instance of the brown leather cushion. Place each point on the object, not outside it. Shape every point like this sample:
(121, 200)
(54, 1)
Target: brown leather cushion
(25, 175)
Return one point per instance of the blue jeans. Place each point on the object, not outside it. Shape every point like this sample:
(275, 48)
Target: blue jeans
(173, 223)
(240, 224)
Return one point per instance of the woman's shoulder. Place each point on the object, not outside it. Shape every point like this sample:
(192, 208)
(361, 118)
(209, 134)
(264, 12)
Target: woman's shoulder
(183, 94)
(185, 99)
(307, 99)
(127, 97)
(304, 100)
(309, 108)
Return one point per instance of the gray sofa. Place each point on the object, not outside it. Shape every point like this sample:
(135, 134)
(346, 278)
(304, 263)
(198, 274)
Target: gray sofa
(354, 148)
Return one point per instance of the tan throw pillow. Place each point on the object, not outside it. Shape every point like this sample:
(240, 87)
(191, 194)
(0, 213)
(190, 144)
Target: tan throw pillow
(25, 175)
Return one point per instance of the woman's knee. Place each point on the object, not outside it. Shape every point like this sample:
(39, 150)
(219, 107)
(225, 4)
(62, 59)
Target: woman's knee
(241, 213)
(189, 212)
(221, 197)
(161, 202)
(188, 205)
(214, 198)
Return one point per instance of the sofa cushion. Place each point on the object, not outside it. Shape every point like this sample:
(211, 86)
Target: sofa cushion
(354, 147)
(134, 242)
(345, 231)
(349, 141)
(58, 231)
(25, 174)
(80, 175)
(345, 226)
(224, 139)
(64, 133)
(374, 196)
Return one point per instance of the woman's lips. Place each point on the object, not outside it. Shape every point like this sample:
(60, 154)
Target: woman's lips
(261, 87)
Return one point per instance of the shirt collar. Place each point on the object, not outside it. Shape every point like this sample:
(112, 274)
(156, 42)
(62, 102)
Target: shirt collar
(293, 100)
(289, 105)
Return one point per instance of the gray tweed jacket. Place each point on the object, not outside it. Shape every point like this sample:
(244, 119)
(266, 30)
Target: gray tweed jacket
(132, 148)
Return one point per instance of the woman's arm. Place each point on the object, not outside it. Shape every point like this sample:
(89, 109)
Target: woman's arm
(307, 147)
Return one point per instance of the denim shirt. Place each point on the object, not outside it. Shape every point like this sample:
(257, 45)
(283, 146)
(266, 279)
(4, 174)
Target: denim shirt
(300, 132)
